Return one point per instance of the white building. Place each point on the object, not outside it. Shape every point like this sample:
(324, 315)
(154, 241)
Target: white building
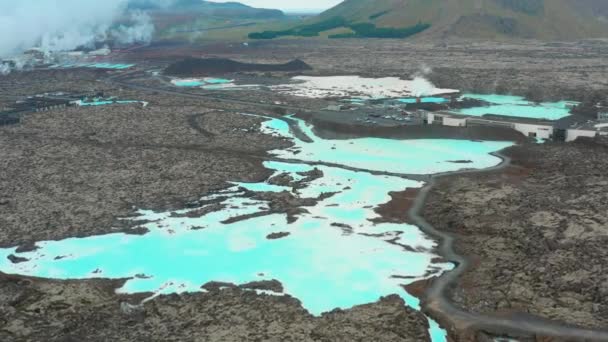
(540, 131)
(532, 128)
(573, 134)
(447, 119)
(566, 129)
(589, 130)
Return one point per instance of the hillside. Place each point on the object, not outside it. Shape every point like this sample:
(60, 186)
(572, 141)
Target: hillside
(191, 20)
(539, 19)
(227, 9)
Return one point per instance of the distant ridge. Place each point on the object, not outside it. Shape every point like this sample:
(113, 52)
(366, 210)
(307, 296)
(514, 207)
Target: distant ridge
(534, 19)
(219, 66)
(223, 9)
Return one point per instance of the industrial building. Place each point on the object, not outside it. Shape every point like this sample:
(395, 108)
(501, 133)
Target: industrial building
(40, 103)
(567, 129)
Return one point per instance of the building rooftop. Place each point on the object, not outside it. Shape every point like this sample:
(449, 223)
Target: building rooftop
(576, 122)
(502, 118)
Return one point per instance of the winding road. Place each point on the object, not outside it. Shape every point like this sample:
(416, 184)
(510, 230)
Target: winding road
(436, 301)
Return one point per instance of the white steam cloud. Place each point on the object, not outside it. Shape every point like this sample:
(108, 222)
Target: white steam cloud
(5, 69)
(59, 25)
(141, 29)
(420, 86)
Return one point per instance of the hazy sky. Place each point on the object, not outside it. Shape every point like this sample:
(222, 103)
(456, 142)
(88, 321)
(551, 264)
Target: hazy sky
(289, 5)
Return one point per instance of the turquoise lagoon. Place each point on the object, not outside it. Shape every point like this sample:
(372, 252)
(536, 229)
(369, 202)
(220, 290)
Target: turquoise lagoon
(188, 83)
(217, 81)
(323, 265)
(424, 100)
(518, 106)
(419, 156)
(99, 102)
(195, 82)
(116, 66)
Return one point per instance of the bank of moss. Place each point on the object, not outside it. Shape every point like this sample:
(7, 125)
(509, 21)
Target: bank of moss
(360, 30)
(369, 30)
(310, 30)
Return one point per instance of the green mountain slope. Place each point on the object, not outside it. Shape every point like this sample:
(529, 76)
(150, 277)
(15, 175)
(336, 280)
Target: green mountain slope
(540, 19)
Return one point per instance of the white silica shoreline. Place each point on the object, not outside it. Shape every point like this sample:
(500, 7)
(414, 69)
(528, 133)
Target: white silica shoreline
(360, 87)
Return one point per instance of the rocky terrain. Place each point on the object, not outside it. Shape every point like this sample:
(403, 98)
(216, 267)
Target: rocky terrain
(535, 233)
(540, 70)
(47, 310)
(76, 171)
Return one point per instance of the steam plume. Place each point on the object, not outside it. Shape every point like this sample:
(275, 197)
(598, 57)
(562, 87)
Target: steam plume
(420, 85)
(59, 25)
(4, 69)
(141, 29)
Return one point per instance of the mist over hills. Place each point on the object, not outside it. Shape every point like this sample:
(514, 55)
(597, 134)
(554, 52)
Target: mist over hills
(536, 19)
(54, 26)
(225, 9)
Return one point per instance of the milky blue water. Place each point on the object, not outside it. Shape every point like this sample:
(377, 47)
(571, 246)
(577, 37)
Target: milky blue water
(319, 264)
(424, 100)
(419, 156)
(436, 332)
(209, 81)
(518, 106)
(104, 102)
(217, 80)
(323, 265)
(188, 83)
(117, 66)
(110, 66)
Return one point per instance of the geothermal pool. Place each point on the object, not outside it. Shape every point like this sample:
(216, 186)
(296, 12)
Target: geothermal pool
(334, 255)
(102, 102)
(415, 157)
(424, 100)
(116, 66)
(518, 106)
(197, 82)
